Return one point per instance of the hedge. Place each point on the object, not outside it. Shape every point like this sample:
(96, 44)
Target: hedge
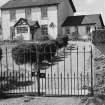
(99, 36)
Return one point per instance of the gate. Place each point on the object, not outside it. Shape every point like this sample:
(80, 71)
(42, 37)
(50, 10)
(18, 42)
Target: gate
(69, 73)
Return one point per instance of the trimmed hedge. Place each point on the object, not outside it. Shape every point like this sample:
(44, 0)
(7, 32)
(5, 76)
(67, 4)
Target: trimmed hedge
(99, 36)
(37, 52)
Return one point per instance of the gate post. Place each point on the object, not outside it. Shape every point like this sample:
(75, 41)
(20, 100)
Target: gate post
(38, 80)
(92, 92)
(38, 70)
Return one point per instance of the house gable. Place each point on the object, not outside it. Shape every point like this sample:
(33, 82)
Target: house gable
(21, 21)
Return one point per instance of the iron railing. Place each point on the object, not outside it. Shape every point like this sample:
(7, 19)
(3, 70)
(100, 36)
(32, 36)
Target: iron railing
(69, 73)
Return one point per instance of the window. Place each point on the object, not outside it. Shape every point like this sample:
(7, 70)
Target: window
(44, 29)
(67, 30)
(88, 29)
(28, 13)
(12, 15)
(44, 13)
(76, 30)
(22, 30)
(12, 32)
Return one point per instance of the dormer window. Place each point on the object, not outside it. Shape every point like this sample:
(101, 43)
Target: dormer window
(44, 13)
(28, 13)
(12, 15)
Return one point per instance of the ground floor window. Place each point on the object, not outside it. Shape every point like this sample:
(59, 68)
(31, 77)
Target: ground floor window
(44, 29)
(22, 30)
(76, 29)
(67, 30)
(88, 29)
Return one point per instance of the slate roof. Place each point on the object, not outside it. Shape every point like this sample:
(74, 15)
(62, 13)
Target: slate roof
(31, 3)
(84, 20)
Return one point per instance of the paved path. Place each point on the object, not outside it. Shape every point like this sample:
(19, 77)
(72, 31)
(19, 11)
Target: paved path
(41, 101)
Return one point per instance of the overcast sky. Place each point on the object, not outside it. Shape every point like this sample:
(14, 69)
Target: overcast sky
(85, 6)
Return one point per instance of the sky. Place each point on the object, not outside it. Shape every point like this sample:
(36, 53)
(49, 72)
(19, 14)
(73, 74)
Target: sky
(84, 7)
(90, 7)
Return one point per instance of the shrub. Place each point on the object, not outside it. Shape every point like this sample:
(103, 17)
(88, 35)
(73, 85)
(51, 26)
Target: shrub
(38, 52)
(99, 36)
(62, 41)
(34, 52)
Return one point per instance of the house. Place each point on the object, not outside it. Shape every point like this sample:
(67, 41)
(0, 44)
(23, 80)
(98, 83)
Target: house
(81, 27)
(50, 15)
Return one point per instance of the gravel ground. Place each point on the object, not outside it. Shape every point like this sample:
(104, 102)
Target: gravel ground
(41, 101)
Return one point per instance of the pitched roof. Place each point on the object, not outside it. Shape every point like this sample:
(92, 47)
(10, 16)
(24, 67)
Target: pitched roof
(84, 20)
(30, 3)
(28, 22)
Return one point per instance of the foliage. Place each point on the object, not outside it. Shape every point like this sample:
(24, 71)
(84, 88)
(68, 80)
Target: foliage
(99, 36)
(37, 52)
(33, 52)
(62, 41)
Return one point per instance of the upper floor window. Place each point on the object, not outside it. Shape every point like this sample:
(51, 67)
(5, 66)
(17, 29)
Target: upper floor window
(44, 13)
(44, 29)
(28, 13)
(12, 15)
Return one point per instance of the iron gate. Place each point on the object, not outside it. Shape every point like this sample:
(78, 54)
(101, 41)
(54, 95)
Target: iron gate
(69, 73)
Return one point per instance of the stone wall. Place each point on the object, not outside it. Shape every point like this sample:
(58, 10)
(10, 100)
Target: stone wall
(99, 56)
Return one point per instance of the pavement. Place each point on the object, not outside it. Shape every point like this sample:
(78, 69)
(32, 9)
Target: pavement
(41, 101)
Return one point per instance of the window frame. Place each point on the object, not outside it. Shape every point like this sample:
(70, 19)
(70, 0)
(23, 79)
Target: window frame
(28, 13)
(88, 27)
(44, 29)
(67, 30)
(76, 29)
(12, 14)
(21, 30)
(44, 12)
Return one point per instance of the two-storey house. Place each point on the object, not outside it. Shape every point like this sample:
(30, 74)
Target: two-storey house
(24, 14)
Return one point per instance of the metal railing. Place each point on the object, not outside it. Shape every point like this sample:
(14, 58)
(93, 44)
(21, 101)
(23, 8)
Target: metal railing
(68, 73)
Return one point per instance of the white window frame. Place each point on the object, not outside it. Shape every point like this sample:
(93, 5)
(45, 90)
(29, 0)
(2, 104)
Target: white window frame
(12, 14)
(67, 30)
(28, 13)
(44, 12)
(88, 27)
(21, 29)
(44, 29)
(76, 29)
